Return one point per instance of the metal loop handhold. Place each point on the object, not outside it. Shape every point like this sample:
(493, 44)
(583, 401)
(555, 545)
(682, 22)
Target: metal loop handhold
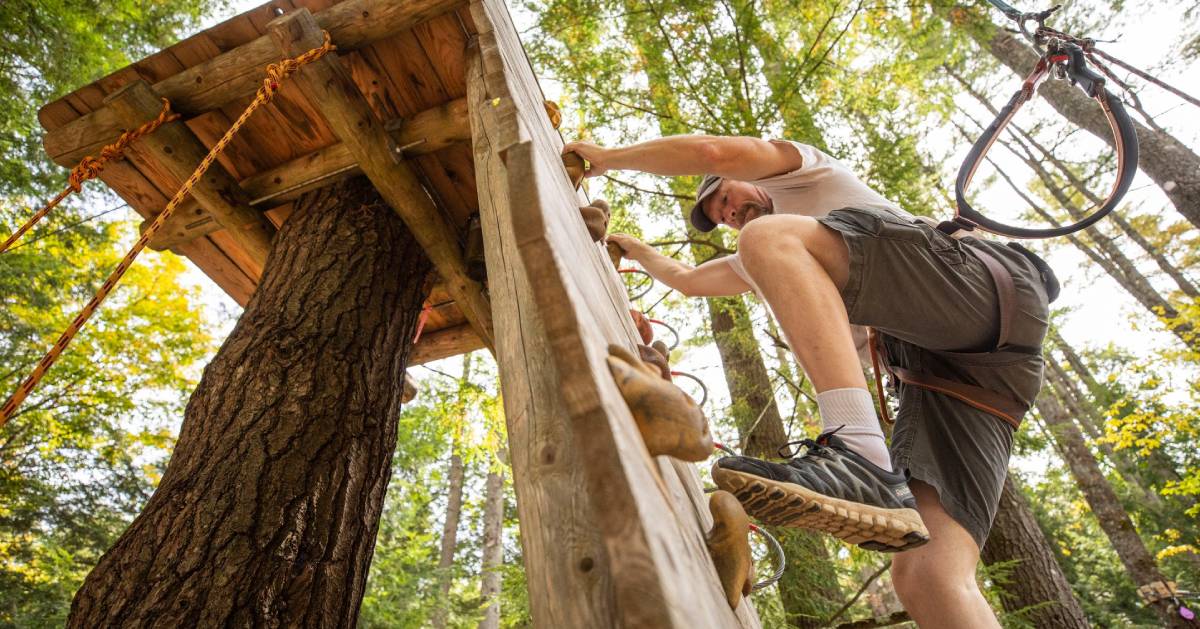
(780, 560)
(673, 331)
(649, 287)
(703, 394)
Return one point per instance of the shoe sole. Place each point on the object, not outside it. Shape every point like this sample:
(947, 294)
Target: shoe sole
(787, 504)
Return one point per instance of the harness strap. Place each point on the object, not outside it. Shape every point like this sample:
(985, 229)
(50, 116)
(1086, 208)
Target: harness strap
(991, 402)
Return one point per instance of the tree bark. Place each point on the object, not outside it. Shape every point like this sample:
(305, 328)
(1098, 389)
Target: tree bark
(1105, 505)
(1036, 578)
(1166, 160)
(493, 549)
(268, 510)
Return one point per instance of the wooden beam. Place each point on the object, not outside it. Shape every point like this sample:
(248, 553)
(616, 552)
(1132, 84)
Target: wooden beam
(239, 72)
(426, 132)
(649, 513)
(331, 89)
(174, 147)
(444, 343)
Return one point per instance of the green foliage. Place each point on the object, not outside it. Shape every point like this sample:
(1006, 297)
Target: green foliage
(87, 448)
(49, 47)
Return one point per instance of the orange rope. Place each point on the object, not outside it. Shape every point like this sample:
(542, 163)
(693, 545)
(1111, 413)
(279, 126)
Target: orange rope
(91, 167)
(276, 73)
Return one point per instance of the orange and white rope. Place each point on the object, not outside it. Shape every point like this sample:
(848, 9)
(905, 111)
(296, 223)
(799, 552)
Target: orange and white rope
(91, 167)
(276, 73)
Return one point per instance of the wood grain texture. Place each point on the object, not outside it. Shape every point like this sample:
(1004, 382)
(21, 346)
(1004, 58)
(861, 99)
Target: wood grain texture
(431, 130)
(348, 114)
(649, 513)
(566, 564)
(439, 344)
(237, 72)
(175, 147)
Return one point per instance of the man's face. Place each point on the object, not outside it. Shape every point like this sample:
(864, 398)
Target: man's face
(736, 203)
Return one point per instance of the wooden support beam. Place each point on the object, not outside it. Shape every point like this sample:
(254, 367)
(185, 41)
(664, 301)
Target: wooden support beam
(444, 343)
(239, 72)
(635, 527)
(175, 148)
(426, 132)
(331, 89)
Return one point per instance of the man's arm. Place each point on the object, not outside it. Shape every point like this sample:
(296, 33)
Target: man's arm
(715, 278)
(744, 159)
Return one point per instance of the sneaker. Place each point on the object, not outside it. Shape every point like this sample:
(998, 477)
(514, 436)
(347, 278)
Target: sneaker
(829, 488)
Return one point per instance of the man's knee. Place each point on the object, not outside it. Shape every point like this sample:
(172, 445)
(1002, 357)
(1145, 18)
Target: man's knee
(768, 237)
(917, 581)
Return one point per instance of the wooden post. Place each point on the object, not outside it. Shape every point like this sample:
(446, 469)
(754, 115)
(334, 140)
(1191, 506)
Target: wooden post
(177, 150)
(612, 537)
(332, 90)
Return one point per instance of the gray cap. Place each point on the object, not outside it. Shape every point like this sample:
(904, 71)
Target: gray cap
(708, 185)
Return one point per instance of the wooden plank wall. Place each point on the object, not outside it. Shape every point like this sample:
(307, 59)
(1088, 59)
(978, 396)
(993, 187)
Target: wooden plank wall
(651, 568)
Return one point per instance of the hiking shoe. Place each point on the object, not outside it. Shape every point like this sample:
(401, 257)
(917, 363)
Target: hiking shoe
(829, 488)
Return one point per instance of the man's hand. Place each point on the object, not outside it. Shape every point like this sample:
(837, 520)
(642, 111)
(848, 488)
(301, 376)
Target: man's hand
(597, 156)
(632, 248)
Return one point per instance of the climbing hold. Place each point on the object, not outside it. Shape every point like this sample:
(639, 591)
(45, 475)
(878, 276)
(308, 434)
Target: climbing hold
(643, 326)
(670, 422)
(729, 546)
(651, 356)
(473, 250)
(662, 348)
(553, 112)
(410, 389)
(615, 252)
(595, 216)
(575, 166)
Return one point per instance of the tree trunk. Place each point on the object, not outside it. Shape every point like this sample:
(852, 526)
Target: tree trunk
(449, 541)
(1036, 577)
(1102, 500)
(454, 498)
(268, 511)
(493, 550)
(1166, 160)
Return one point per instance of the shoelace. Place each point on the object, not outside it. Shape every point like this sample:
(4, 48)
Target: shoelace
(809, 445)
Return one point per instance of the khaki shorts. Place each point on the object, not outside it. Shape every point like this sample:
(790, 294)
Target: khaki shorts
(931, 298)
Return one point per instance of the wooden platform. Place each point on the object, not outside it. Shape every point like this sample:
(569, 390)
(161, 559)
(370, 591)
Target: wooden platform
(436, 103)
(388, 50)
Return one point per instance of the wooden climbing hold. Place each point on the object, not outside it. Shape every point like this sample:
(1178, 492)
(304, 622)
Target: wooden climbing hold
(575, 168)
(615, 253)
(729, 546)
(662, 348)
(653, 357)
(642, 324)
(669, 421)
(473, 250)
(410, 389)
(595, 217)
(553, 112)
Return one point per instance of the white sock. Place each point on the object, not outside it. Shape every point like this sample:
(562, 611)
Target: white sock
(854, 412)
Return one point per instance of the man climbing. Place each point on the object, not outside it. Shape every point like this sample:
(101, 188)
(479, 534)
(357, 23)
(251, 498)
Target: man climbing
(960, 323)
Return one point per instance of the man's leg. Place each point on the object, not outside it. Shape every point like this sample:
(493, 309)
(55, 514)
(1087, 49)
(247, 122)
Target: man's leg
(936, 582)
(800, 266)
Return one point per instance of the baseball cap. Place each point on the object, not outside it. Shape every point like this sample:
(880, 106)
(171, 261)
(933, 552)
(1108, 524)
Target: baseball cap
(708, 185)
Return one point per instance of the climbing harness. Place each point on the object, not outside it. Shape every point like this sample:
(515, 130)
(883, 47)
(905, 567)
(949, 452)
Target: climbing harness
(1063, 57)
(1000, 405)
(276, 73)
